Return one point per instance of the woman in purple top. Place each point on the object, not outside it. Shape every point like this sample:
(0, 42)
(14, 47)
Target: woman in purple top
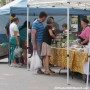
(84, 36)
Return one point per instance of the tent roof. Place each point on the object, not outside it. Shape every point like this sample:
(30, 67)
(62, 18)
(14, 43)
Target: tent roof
(16, 3)
(46, 5)
(20, 7)
(81, 4)
(50, 11)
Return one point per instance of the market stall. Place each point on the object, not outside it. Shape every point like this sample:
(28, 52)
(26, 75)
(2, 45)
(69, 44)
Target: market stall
(81, 4)
(75, 7)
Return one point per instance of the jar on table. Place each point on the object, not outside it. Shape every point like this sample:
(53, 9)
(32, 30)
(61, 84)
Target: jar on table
(63, 44)
(53, 43)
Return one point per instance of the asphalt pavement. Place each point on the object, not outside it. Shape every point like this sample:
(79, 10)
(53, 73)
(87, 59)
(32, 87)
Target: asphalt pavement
(12, 78)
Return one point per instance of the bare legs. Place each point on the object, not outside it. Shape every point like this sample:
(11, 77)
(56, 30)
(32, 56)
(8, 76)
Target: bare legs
(46, 65)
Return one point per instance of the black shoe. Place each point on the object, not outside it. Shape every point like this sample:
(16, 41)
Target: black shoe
(40, 72)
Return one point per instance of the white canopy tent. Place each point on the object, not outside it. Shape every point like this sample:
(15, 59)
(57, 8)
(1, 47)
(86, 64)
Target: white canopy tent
(80, 4)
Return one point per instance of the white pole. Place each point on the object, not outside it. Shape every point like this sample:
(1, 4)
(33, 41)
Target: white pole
(87, 86)
(68, 46)
(27, 30)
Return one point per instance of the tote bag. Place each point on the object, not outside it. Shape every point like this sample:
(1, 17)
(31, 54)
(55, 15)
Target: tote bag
(35, 61)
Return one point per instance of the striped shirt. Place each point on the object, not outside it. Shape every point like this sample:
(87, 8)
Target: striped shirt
(39, 27)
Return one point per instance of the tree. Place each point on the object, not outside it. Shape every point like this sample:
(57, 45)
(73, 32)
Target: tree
(2, 2)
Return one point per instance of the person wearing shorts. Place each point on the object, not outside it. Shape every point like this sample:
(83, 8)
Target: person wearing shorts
(46, 46)
(37, 35)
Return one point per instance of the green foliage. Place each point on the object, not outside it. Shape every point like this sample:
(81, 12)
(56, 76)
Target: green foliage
(2, 2)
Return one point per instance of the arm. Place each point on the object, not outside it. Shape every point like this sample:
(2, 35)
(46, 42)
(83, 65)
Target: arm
(85, 41)
(51, 34)
(16, 32)
(7, 29)
(6, 32)
(34, 38)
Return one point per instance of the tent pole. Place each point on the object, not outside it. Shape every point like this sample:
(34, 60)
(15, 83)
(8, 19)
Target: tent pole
(27, 29)
(9, 61)
(88, 66)
(68, 45)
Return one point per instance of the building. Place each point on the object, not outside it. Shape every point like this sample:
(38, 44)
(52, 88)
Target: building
(4, 2)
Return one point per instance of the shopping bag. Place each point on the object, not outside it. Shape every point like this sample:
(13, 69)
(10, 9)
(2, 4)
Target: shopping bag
(35, 61)
(18, 52)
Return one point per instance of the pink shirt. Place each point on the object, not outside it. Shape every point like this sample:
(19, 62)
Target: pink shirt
(85, 33)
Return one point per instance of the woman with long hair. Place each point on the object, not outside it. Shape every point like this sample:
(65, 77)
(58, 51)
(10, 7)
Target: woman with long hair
(14, 40)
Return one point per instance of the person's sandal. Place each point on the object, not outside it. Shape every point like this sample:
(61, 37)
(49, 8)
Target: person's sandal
(40, 72)
(47, 73)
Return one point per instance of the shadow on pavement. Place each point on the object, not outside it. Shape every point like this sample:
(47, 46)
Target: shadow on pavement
(2, 60)
(3, 57)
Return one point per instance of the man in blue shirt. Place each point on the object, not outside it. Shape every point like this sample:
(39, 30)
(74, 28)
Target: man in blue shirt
(37, 34)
